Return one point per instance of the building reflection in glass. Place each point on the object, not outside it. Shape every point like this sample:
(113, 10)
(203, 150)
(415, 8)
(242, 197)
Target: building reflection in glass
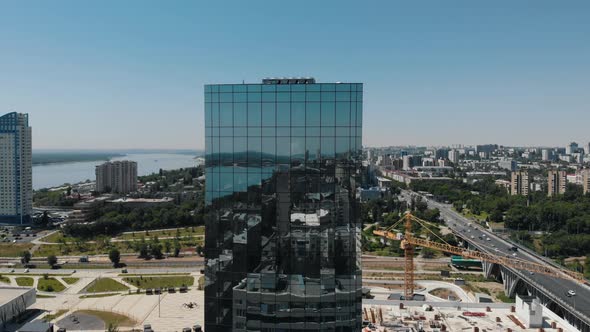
(282, 239)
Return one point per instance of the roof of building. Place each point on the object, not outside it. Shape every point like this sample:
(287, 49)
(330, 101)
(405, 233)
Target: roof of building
(36, 326)
(8, 294)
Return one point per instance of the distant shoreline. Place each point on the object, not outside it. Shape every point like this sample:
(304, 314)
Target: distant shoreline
(45, 158)
(64, 158)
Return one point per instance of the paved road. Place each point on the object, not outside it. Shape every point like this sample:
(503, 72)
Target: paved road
(496, 245)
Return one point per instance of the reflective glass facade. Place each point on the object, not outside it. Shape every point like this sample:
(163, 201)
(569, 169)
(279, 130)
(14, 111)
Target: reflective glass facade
(282, 241)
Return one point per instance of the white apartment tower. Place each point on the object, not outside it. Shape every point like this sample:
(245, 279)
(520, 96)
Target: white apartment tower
(117, 177)
(454, 156)
(16, 174)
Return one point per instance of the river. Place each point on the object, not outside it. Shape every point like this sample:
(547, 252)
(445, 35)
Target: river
(53, 175)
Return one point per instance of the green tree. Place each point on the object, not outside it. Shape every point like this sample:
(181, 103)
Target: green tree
(115, 257)
(51, 260)
(156, 251)
(25, 257)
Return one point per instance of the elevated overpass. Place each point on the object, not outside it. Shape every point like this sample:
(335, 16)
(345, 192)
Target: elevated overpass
(552, 292)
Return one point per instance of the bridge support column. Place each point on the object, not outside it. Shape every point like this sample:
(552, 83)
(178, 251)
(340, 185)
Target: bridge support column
(487, 269)
(510, 282)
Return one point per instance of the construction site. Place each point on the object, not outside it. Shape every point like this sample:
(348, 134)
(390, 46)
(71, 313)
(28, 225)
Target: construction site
(452, 293)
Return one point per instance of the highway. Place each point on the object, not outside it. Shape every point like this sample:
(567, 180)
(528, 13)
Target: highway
(558, 288)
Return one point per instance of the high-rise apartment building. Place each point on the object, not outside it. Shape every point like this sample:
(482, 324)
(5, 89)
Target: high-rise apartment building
(571, 148)
(520, 183)
(586, 180)
(454, 156)
(546, 155)
(556, 182)
(16, 174)
(282, 241)
(116, 177)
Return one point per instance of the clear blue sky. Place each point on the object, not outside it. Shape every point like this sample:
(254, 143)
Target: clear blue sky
(130, 74)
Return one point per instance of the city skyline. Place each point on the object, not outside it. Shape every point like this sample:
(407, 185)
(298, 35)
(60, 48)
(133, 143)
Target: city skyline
(438, 74)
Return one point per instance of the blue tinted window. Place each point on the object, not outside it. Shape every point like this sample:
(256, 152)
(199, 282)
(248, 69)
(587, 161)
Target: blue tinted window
(240, 114)
(328, 147)
(240, 88)
(298, 114)
(268, 88)
(313, 96)
(328, 113)
(269, 131)
(268, 97)
(207, 97)
(297, 131)
(240, 131)
(226, 114)
(215, 114)
(283, 114)
(343, 96)
(254, 88)
(328, 87)
(342, 114)
(268, 114)
(254, 97)
(283, 131)
(328, 96)
(226, 88)
(283, 88)
(298, 88)
(298, 96)
(226, 97)
(312, 87)
(343, 87)
(313, 114)
(254, 115)
(207, 115)
(240, 97)
(283, 96)
(312, 131)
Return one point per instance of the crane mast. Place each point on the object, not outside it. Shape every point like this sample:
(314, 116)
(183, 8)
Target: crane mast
(409, 241)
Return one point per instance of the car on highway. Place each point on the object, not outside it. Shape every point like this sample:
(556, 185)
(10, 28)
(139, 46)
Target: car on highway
(514, 255)
(571, 293)
(489, 239)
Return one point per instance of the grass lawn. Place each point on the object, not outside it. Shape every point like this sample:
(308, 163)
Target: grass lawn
(70, 281)
(42, 296)
(160, 282)
(502, 297)
(109, 317)
(154, 274)
(14, 249)
(85, 248)
(182, 232)
(98, 296)
(24, 281)
(50, 285)
(58, 237)
(106, 285)
(57, 314)
(4, 279)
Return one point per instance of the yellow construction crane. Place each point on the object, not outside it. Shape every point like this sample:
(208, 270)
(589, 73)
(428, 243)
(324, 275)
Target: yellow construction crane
(408, 242)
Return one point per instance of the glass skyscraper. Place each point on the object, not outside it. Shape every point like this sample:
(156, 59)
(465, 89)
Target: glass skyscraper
(282, 241)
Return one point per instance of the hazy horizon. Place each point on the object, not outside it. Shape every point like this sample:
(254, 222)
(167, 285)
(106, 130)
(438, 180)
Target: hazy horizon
(114, 74)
